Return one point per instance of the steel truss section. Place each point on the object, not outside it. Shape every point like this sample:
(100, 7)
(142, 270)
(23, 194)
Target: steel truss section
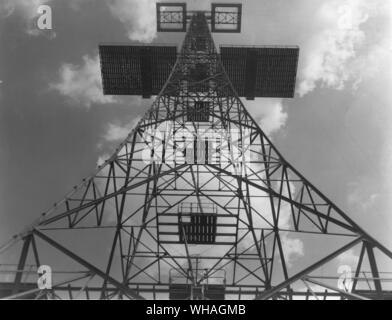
(171, 17)
(226, 14)
(118, 234)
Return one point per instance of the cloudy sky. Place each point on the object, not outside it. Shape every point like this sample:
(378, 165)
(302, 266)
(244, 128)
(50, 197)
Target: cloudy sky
(55, 124)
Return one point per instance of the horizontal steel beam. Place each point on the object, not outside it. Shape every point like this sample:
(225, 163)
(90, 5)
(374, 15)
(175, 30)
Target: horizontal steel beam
(89, 266)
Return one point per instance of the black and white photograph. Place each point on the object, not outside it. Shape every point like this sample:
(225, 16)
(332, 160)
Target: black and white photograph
(218, 151)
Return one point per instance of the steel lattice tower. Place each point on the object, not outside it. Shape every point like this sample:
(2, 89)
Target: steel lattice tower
(197, 202)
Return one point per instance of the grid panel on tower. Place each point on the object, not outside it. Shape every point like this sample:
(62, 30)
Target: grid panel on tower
(261, 71)
(135, 70)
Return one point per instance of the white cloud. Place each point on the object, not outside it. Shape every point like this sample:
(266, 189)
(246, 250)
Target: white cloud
(118, 132)
(341, 51)
(138, 17)
(268, 113)
(102, 158)
(348, 257)
(360, 197)
(292, 248)
(82, 83)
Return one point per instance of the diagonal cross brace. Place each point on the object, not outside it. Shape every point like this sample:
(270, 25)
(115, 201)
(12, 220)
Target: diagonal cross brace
(127, 291)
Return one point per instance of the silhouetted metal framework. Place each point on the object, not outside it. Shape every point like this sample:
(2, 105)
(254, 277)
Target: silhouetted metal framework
(210, 226)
